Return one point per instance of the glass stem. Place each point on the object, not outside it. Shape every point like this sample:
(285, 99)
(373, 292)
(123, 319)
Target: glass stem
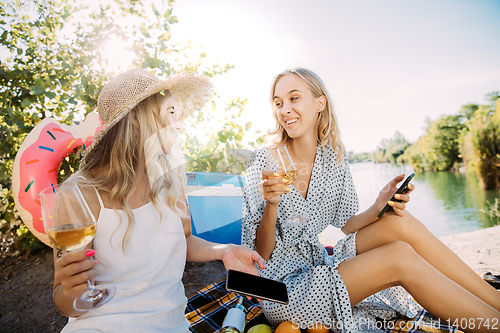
(92, 290)
(291, 203)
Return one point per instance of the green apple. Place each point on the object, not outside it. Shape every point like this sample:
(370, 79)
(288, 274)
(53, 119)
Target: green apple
(261, 328)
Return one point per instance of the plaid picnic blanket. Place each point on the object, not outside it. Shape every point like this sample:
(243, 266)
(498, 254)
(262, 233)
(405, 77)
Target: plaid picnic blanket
(207, 308)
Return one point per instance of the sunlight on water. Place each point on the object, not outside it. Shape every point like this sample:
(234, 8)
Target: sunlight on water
(446, 202)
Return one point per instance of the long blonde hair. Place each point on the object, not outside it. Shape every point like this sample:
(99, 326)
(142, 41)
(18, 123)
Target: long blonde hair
(326, 123)
(128, 151)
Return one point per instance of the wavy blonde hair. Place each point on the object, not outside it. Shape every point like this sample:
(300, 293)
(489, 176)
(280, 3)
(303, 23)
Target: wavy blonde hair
(327, 124)
(133, 148)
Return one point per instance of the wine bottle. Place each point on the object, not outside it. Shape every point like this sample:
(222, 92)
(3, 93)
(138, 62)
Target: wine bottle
(234, 322)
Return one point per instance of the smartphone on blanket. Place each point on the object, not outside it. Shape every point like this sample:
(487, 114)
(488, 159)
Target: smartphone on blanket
(399, 191)
(256, 286)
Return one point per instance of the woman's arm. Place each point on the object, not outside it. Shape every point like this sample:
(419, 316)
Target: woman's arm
(359, 221)
(273, 186)
(369, 216)
(237, 257)
(233, 256)
(265, 240)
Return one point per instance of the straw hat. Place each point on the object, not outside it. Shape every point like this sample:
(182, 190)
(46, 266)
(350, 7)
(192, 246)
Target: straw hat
(127, 89)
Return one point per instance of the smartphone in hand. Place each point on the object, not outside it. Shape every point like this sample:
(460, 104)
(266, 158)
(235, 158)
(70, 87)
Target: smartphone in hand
(399, 191)
(256, 286)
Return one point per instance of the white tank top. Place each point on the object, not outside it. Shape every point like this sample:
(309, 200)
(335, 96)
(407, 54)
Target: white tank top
(147, 275)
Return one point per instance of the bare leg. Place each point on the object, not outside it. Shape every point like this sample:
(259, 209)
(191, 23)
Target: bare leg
(392, 228)
(395, 264)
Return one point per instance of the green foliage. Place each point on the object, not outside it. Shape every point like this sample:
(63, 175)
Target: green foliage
(442, 151)
(472, 135)
(414, 154)
(389, 150)
(26, 240)
(13, 232)
(45, 75)
(467, 111)
(438, 149)
(56, 66)
(7, 211)
(480, 144)
(493, 210)
(224, 149)
(360, 157)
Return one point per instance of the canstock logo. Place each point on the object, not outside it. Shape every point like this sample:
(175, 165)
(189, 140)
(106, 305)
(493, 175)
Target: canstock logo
(234, 161)
(39, 6)
(165, 159)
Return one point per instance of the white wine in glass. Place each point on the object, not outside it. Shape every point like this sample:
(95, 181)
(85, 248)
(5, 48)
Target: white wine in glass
(289, 176)
(287, 170)
(70, 226)
(71, 237)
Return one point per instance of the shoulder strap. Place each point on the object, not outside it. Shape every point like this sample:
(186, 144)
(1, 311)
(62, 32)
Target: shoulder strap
(96, 192)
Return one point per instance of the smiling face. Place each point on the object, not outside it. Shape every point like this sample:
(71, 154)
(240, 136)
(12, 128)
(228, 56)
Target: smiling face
(296, 108)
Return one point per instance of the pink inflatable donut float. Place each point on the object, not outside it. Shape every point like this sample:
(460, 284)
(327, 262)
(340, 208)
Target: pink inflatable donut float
(37, 163)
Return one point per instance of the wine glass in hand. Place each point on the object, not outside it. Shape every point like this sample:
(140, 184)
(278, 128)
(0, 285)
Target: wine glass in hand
(70, 226)
(287, 170)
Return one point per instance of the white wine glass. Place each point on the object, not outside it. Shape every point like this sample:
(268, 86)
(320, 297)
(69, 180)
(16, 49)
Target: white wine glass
(287, 170)
(70, 226)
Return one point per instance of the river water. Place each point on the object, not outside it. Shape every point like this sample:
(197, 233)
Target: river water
(446, 202)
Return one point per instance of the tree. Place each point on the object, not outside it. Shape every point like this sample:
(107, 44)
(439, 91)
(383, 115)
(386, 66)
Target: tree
(224, 150)
(480, 143)
(389, 150)
(56, 68)
(472, 135)
(438, 149)
(415, 155)
(37, 81)
(443, 143)
(467, 111)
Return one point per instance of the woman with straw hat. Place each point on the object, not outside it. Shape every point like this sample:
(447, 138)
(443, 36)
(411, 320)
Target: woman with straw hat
(133, 179)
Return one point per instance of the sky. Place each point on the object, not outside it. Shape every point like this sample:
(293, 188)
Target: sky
(387, 64)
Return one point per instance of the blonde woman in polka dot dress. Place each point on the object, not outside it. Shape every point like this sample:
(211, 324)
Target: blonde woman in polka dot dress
(378, 264)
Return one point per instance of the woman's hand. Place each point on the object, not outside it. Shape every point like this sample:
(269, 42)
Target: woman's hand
(73, 270)
(388, 191)
(272, 187)
(241, 258)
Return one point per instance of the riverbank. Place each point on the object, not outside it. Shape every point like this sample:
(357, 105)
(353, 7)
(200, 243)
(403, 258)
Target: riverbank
(26, 283)
(480, 249)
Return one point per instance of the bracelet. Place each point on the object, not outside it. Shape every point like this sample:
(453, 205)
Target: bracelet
(54, 302)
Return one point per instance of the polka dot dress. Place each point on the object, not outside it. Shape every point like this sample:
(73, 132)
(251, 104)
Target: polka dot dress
(316, 291)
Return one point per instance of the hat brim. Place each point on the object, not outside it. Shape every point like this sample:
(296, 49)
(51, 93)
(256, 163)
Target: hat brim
(191, 91)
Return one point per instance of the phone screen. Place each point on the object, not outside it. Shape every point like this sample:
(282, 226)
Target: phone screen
(256, 286)
(399, 191)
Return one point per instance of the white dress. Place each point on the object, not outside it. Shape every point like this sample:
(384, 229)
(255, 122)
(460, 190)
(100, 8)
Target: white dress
(147, 275)
(316, 290)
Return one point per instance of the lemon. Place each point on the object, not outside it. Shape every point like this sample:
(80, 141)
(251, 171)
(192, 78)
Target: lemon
(260, 328)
